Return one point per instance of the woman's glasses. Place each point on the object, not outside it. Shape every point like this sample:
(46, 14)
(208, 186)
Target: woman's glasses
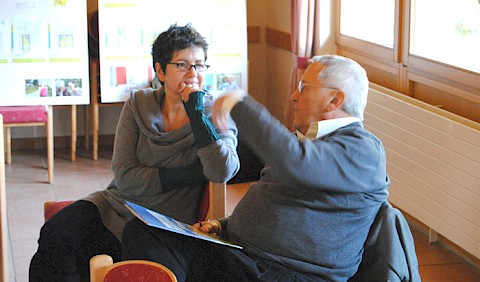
(187, 67)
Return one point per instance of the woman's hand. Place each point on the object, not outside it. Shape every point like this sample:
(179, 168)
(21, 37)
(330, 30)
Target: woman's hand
(186, 89)
(209, 226)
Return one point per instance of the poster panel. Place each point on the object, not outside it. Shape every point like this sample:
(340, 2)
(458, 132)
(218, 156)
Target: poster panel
(43, 52)
(127, 29)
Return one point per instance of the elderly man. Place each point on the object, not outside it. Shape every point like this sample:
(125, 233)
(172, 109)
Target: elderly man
(309, 215)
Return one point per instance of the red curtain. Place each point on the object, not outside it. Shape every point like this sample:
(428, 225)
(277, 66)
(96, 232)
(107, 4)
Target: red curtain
(303, 34)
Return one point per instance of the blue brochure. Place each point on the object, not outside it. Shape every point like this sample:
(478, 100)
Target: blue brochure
(164, 222)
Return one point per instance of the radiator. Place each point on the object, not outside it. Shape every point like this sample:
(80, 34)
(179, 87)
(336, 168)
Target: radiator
(433, 161)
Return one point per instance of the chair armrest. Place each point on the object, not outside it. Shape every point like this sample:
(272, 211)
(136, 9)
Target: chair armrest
(217, 200)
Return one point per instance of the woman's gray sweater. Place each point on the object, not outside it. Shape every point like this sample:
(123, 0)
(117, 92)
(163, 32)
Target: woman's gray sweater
(142, 148)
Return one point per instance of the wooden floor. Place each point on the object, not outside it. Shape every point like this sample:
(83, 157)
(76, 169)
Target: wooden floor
(27, 190)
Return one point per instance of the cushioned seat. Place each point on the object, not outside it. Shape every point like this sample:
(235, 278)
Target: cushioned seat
(17, 116)
(23, 114)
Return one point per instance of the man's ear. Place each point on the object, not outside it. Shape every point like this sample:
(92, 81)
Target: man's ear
(337, 101)
(159, 71)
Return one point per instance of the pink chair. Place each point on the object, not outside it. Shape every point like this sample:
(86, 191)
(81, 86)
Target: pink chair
(16, 116)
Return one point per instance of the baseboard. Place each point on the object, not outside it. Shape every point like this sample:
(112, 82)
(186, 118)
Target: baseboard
(444, 242)
(59, 142)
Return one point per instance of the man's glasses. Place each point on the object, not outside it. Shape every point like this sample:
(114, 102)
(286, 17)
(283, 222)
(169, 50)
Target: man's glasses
(187, 67)
(301, 85)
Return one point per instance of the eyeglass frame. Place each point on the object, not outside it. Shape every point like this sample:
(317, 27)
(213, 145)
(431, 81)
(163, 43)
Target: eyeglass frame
(301, 85)
(188, 67)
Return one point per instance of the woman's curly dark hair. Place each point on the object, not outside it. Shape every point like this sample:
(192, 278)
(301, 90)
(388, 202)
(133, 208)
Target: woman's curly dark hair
(176, 38)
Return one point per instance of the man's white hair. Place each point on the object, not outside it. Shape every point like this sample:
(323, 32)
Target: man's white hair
(348, 76)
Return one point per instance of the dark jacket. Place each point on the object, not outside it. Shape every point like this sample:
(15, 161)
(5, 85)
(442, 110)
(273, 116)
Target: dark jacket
(389, 250)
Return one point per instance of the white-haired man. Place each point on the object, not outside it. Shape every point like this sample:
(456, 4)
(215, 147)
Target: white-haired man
(308, 216)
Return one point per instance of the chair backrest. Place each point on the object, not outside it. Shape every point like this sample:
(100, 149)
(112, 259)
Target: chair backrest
(389, 251)
(102, 269)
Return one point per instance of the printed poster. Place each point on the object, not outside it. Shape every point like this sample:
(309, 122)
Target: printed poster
(44, 52)
(127, 30)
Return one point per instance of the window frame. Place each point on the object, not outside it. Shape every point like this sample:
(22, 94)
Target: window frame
(402, 71)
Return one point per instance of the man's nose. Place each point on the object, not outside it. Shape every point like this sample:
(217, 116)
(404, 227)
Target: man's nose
(294, 95)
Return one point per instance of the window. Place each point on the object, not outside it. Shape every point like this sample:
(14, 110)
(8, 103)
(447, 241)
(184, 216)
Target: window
(447, 31)
(425, 49)
(370, 20)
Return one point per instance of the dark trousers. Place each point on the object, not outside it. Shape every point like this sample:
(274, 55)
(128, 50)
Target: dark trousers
(193, 259)
(67, 242)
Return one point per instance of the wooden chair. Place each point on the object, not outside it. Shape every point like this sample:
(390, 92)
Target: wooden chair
(102, 269)
(4, 243)
(17, 116)
(217, 200)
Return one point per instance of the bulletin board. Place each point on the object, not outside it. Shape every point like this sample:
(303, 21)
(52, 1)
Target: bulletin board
(43, 52)
(127, 30)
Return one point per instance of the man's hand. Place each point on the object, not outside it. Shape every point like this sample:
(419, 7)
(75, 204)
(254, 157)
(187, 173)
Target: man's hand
(209, 226)
(223, 106)
(219, 115)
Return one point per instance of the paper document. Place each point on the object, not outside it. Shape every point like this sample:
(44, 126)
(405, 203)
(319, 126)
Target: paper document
(164, 222)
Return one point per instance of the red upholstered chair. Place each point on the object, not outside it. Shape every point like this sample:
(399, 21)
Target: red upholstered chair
(52, 207)
(16, 116)
(212, 204)
(102, 269)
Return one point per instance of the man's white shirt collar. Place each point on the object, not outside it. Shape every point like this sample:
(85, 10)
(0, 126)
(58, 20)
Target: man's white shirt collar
(321, 128)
